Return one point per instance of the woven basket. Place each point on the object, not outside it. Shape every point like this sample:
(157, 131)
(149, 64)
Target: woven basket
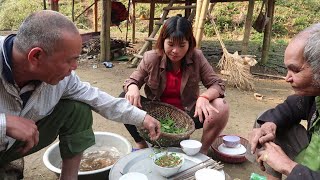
(160, 110)
(225, 157)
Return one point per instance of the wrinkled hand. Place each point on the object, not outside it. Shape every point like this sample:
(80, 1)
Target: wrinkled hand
(259, 136)
(203, 107)
(24, 130)
(133, 95)
(274, 156)
(153, 126)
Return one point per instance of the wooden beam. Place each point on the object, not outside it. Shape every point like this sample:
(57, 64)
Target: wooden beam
(180, 7)
(267, 32)
(164, 2)
(247, 28)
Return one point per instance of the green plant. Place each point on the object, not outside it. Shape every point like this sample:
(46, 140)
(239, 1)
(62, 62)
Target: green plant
(12, 15)
(209, 30)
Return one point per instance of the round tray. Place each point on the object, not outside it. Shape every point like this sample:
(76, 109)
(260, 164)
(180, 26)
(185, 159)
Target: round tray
(140, 161)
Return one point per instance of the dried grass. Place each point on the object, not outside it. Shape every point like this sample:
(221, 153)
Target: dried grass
(235, 66)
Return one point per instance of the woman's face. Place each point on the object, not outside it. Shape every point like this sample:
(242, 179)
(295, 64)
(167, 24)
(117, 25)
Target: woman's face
(175, 51)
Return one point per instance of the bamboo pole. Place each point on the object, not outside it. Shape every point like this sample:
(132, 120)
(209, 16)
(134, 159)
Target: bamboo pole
(202, 19)
(198, 10)
(267, 33)
(246, 36)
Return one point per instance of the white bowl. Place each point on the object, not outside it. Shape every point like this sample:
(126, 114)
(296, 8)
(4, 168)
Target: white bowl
(190, 147)
(231, 141)
(134, 176)
(52, 158)
(206, 174)
(167, 171)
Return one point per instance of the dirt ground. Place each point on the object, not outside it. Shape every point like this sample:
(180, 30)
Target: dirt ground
(244, 109)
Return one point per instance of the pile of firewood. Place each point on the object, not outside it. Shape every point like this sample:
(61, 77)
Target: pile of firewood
(92, 47)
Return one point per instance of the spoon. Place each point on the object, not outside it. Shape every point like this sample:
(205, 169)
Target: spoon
(162, 148)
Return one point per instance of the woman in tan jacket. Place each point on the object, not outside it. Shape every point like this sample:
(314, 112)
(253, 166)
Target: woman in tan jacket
(171, 74)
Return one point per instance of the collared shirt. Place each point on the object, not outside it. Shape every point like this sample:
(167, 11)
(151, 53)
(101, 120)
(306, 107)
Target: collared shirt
(45, 96)
(28, 89)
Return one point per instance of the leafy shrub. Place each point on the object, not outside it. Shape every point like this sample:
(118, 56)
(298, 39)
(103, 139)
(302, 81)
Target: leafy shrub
(12, 15)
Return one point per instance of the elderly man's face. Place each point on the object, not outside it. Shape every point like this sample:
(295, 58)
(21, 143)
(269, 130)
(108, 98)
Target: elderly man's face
(59, 65)
(299, 73)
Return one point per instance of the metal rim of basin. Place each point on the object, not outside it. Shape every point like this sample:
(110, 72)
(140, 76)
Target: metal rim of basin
(48, 164)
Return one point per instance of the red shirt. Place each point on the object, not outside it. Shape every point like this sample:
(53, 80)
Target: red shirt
(171, 93)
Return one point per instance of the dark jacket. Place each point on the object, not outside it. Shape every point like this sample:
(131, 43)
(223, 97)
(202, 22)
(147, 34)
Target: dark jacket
(290, 112)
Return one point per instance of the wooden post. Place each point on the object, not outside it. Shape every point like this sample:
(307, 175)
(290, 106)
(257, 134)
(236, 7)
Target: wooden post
(187, 11)
(151, 20)
(105, 31)
(72, 11)
(246, 37)
(55, 5)
(44, 5)
(133, 21)
(267, 32)
(108, 25)
(95, 10)
(202, 19)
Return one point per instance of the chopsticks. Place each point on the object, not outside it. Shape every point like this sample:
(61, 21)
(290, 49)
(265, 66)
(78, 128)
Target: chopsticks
(189, 173)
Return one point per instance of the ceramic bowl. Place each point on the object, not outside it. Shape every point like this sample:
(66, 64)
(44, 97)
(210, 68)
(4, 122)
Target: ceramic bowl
(167, 171)
(190, 147)
(231, 141)
(134, 176)
(205, 174)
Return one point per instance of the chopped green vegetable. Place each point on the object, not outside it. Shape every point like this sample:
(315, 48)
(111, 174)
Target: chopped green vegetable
(169, 126)
(168, 160)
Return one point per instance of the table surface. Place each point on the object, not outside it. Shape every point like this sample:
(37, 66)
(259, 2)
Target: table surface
(141, 161)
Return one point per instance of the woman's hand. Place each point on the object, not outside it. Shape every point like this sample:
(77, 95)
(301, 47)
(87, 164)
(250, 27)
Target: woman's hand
(259, 136)
(133, 95)
(204, 108)
(274, 156)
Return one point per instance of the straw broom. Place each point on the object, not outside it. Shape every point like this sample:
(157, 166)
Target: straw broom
(236, 67)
